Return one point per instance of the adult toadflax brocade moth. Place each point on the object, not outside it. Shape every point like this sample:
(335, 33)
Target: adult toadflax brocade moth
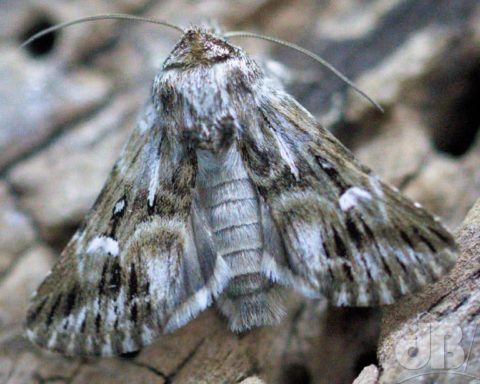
(227, 191)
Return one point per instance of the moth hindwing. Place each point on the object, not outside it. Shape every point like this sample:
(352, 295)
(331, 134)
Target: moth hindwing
(228, 191)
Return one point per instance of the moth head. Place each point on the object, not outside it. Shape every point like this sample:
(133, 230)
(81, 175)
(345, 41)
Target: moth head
(200, 46)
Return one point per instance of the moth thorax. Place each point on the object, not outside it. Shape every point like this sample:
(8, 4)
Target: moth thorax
(214, 136)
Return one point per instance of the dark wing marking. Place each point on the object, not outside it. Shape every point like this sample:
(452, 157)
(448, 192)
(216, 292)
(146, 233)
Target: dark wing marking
(355, 239)
(133, 267)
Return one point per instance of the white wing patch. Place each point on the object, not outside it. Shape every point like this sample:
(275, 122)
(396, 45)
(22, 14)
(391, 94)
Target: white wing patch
(287, 156)
(105, 244)
(351, 196)
(119, 206)
(152, 188)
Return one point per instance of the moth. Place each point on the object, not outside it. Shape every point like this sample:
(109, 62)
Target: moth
(228, 192)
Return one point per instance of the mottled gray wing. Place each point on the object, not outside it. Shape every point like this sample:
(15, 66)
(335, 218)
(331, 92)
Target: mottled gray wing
(355, 240)
(132, 271)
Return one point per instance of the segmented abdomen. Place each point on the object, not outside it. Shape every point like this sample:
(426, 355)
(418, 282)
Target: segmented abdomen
(231, 205)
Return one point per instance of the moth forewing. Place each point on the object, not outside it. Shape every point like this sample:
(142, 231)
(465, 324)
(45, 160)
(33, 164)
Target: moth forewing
(356, 238)
(123, 273)
(227, 191)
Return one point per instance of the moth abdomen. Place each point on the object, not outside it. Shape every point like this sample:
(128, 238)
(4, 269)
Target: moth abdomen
(251, 301)
(231, 206)
(247, 284)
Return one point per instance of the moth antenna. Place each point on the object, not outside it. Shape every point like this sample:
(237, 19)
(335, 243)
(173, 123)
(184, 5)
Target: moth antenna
(108, 16)
(310, 54)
